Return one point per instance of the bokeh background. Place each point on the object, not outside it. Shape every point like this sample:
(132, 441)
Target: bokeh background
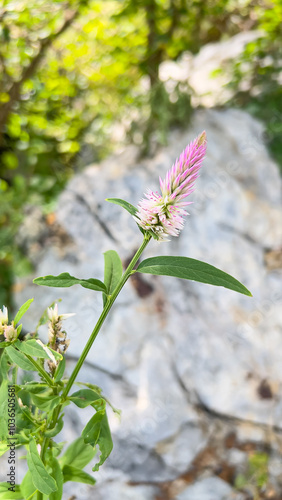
(123, 86)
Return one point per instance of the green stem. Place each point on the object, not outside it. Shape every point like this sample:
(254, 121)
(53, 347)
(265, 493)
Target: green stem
(104, 314)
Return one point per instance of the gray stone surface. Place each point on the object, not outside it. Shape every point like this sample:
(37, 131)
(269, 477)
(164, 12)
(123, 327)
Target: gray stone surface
(171, 345)
(210, 488)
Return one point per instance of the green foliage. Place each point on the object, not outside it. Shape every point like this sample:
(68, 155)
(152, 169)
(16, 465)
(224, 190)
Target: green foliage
(41, 479)
(190, 269)
(64, 280)
(78, 454)
(260, 67)
(22, 310)
(112, 272)
(256, 475)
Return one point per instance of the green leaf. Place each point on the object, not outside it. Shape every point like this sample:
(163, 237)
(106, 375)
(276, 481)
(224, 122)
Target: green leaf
(32, 348)
(34, 387)
(124, 204)
(58, 427)
(27, 487)
(105, 442)
(97, 432)
(191, 269)
(60, 370)
(4, 344)
(40, 477)
(84, 397)
(19, 359)
(65, 280)
(78, 454)
(5, 494)
(112, 272)
(57, 474)
(22, 310)
(46, 403)
(4, 409)
(130, 208)
(76, 475)
(4, 365)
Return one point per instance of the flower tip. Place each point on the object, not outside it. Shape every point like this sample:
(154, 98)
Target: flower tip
(202, 138)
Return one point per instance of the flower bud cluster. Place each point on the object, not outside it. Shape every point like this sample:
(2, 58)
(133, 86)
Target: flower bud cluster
(57, 336)
(9, 331)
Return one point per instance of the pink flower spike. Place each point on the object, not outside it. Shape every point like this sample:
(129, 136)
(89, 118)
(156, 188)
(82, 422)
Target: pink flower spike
(163, 214)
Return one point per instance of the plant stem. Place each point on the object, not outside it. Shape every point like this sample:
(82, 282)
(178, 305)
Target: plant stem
(104, 314)
(90, 341)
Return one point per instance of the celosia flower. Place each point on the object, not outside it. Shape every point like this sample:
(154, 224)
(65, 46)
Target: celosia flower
(163, 214)
(3, 318)
(10, 332)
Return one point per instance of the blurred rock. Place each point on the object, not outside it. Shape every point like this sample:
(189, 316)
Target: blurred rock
(186, 362)
(210, 488)
(209, 72)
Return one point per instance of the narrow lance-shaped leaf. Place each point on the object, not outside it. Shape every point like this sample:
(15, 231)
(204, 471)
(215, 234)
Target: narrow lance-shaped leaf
(127, 206)
(191, 269)
(22, 310)
(57, 474)
(40, 477)
(65, 280)
(112, 272)
(124, 204)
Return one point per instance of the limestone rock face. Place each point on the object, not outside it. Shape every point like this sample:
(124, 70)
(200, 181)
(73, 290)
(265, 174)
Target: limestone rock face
(174, 352)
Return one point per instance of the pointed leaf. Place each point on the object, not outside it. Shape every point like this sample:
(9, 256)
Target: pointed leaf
(32, 348)
(191, 269)
(76, 475)
(65, 280)
(113, 270)
(40, 477)
(22, 310)
(130, 208)
(124, 204)
(57, 474)
(84, 397)
(78, 454)
(19, 359)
